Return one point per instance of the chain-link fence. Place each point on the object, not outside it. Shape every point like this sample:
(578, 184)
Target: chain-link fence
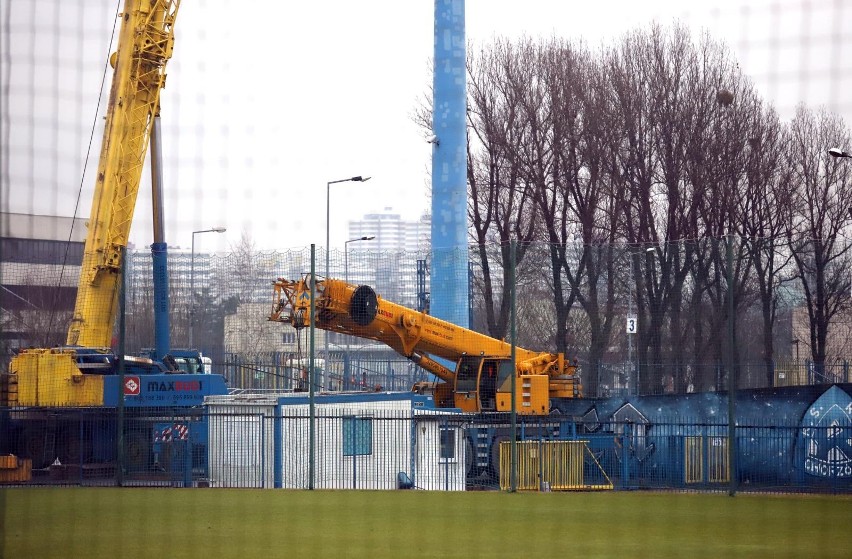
(646, 319)
(642, 319)
(650, 334)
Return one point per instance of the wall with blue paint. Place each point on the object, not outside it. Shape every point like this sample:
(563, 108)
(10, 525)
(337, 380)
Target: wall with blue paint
(449, 273)
(795, 437)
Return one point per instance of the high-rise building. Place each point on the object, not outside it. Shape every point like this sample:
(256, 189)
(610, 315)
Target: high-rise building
(392, 233)
(388, 263)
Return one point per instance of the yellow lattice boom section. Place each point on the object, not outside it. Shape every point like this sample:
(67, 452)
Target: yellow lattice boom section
(145, 45)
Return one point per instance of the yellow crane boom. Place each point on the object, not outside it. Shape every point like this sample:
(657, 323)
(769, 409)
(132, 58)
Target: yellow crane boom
(145, 44)
(483, 374)
(53, 376)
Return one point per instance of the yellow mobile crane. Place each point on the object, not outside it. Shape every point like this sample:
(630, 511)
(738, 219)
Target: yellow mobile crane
(62, 376)
(483, 375)
(43, 388)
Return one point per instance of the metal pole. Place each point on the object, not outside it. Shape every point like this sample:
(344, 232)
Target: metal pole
(630, 334)
(732, 375)
(159, 248)
(346, 279)
(192, 278)
(513, 443)
(327, 223)
(119, 451)
(311, 426)
(192, 289)
(354, 419)
(328, 248)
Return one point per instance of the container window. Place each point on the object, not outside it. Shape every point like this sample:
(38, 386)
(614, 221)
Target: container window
(357, 436)
(448, 444)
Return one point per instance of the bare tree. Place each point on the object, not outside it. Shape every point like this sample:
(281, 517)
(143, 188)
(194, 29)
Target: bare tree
(765, 190)
(657, 151)
(244, 276)
(500, 201)
(579, 213)
(818, 220)
(648, 72)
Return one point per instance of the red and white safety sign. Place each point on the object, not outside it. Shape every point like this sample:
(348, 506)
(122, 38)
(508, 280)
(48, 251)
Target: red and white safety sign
(132, 386)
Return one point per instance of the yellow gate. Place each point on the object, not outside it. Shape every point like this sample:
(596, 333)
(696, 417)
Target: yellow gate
(558, 464)
(715, 458)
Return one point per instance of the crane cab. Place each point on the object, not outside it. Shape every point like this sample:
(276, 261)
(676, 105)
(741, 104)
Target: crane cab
(477, 380)
(483, 384)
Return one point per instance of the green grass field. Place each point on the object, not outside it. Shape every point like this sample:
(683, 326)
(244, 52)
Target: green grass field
(210, 523)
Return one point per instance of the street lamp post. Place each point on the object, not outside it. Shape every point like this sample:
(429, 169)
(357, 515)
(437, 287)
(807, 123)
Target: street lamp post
(346, 279)
(840, 154)
(346, 254)
(192, 278)
(328, 214)
(358, 178)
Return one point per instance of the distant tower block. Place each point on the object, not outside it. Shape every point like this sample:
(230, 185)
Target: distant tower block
(449, 273)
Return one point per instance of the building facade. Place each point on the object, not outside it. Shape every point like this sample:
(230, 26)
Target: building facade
(388, 262)
(40, 259)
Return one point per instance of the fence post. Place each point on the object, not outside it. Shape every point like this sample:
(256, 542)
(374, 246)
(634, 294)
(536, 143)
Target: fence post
(732, 375)
(540, 464)
(446, 429)
(187, 457)
(354, 421)
(513, 443)
(80, 450)
(119, 450)
(277, 457)
(311, 374)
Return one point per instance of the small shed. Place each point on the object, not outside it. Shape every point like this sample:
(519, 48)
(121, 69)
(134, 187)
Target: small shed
(376, 440)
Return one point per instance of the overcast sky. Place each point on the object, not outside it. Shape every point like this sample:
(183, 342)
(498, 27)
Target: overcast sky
(266, 101)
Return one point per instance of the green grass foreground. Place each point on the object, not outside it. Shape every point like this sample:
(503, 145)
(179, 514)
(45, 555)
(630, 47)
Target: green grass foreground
(213, 523)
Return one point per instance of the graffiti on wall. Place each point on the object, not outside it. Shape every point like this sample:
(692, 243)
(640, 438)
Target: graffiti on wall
(826, 435)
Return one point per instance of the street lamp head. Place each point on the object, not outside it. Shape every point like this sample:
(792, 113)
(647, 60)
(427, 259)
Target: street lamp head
(364, 238)
(360, 179)
(213, 230)
(837, 152)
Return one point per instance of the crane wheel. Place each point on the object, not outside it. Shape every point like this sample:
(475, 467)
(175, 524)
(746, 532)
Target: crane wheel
(33, 446)
(74, 447)
(363, 306)
(137, 451)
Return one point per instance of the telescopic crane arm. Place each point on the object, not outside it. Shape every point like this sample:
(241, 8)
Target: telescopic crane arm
(483, 371)
(145, 44)
(73, 376)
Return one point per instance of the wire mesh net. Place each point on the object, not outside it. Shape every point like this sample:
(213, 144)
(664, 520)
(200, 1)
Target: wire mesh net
(680, 230)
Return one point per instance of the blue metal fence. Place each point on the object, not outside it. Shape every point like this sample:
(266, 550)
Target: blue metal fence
(391, 449)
